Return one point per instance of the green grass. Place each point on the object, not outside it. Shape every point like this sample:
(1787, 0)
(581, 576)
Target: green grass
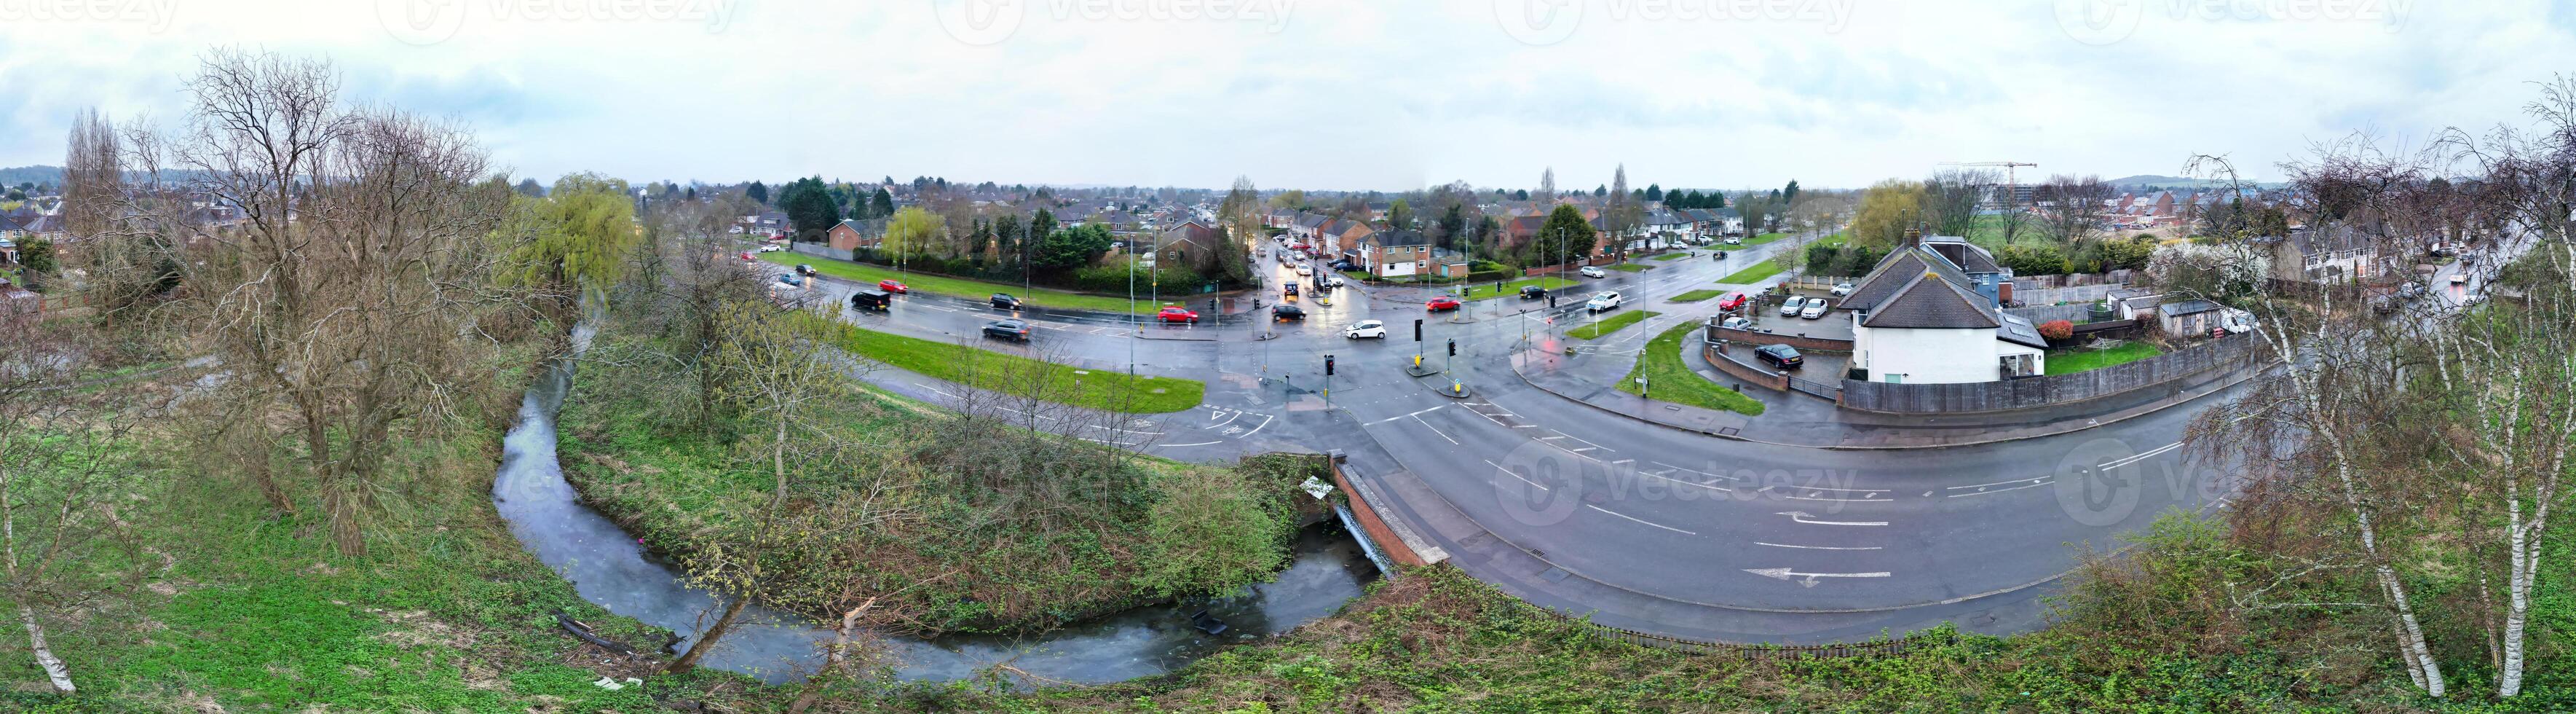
(2082, 360)
(1695, 296)
(1676, 255)
(1594, 330)
(1628, 267)
(1486, 291)
(961, 287)
(1764, 238)
(1013, 374)
(1835, 240)
(1669, 379)
(1759, 272)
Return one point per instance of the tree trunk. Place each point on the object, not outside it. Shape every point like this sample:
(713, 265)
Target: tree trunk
(54, 669)
(2518, 598)
(707, 640)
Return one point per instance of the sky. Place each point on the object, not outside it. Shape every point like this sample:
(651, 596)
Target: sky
(1331, 94)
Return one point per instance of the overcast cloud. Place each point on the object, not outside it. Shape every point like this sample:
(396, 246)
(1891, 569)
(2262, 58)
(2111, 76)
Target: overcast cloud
(1331, 93)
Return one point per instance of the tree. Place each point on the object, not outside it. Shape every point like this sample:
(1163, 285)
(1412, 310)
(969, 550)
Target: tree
(759, 192)
(1452, 227)
(810, 209)
(882, 204)
(1623, 215)
(2075, 205)
(1600, 190)
(1399, 214)
(1789, 194)
(530, 188)
(1074, 247)
(65, 467)
(1886, 209)
(1546, 185)
(1950, 200)
(575, 243)
(2032, 259)
(1042, 224)
(911, 231)
(1521, 195)
(1654, 192)
(1565, 237)
(37, 256)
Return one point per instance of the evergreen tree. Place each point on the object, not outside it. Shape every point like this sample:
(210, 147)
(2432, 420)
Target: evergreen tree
(758, 192)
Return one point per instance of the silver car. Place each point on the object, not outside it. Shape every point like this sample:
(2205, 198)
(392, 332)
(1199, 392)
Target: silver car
(1791, 308)
(1815, 309)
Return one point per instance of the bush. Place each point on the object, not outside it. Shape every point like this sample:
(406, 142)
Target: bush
(2056, 330)
(2033, 259)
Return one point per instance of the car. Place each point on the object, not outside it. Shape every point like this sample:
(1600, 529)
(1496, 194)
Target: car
(1733, 302)
(2410, 291)
(1365, 330)
(803, 269)
(1305, 270)
(1345, 265)
(1781, 356)
(1593, 272)
(2459, 278)
(1286, 313)
(1533, 292)
(1791, 308)
(1735, 240)
(1842, 289)
(746, 255)
(1176, 313)
(772, 248)
(1607, 300)
(876, 300)
(1815, 309)
(1443, 302)
(791, 280)
(1004, 301)
(1289, 290)
(1335, 281)
(1719, 255)
(894, 286)
(1007, 329)
(1738, 322)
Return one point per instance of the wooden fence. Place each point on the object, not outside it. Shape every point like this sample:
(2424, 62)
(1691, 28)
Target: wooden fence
(2170, 370)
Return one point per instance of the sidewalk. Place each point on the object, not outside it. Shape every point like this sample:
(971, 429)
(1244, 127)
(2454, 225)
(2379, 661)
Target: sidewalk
(1793, 419)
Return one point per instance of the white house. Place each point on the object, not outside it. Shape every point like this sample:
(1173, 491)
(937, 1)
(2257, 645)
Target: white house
(1926, 315)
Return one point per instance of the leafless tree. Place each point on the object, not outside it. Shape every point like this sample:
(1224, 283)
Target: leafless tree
(2074, 207)
(63, 472)
(1951, 198)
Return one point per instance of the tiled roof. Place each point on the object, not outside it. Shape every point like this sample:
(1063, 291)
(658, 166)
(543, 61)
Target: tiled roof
(1893, 273)
(1929, 302)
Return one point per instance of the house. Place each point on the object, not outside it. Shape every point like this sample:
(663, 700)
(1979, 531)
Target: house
(1306, 226)
(1347, 235)
(771, 223)
(1446, 263)
(1521, 230)
(1667, 228)
(1278, 217)
(11, 229)
(1926, 314)
(1729, 222)
(1393, 254)
(1191, 243)
(2337, 254)
(1377, 210)
(851, 234)
(2187, 317)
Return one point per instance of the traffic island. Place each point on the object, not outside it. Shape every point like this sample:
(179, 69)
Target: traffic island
(1451, 388)
(1417, 369)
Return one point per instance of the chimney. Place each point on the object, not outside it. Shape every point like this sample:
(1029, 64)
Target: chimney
(1913, 237)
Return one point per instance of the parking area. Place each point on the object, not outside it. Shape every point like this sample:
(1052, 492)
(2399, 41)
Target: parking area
(1835, 325)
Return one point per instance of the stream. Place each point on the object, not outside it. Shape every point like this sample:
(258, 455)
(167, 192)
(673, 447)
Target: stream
(611, 569)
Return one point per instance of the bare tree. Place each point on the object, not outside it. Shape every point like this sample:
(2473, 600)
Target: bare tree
(2074, 206)
(1951, 198)
(63, 470)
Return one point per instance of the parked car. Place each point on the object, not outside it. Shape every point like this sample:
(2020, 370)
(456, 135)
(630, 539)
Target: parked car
(1815, 309)
(1345, 265)
(791, 280)
(1004, 301)
(1176, 313)
(1365, 330)
(1007, 329)
(1287, 313)
(1738, 322)
(894, 286)
(1841, 289)
(1441, 303)
(772, 248)
(1733, 302)
(1607, 300)
(1781, 356)
(1533, 292)
(1735, 240)
(1795, 304)
(876, 300)
(1592, 272)
(746, 255)
(1305, 270)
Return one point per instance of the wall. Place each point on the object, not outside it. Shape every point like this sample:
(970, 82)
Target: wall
(1804, 344)
(2206, 363)
(1746, 370)
(1933, 356)
(1400, 545)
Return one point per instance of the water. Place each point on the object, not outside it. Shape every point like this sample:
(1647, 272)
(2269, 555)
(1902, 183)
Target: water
(609, 568)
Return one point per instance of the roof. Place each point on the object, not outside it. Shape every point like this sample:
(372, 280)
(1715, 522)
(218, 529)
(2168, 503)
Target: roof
(2019, 331)
(1927, 301)
(1968, 256)
(1893, 274)
(2193, 306)
(1400, 238)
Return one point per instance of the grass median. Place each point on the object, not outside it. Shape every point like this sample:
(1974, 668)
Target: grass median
(1748, 276)
(1669, 379)
(1628, 267)
(962, 287)
(1695, 296)
(1672, 256)
(1487, 292)
(1013, 374)
(1765, 238)
(1607, 325)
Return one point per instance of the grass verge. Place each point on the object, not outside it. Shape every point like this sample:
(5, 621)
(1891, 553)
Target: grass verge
(1677, 255)
(961, 287)
(1759, 272)
(1488, 292)
(1695, 296)
(2082, 360)
(1670, 379)
(1628, 267)
(1764, 238)
(1013, 374)
(1607, 325)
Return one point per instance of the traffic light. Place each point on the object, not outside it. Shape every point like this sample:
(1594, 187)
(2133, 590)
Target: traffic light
(1328, 365)
(1453, 348)
(1551, 301)
(1417, 329)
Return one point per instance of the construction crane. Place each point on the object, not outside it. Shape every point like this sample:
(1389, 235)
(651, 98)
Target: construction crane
(2012, 186)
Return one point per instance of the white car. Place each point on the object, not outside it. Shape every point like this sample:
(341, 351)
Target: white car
(1738, 322)
(1605, 301)
(1303, 270)
(1815, 309)
(1365, 329)
(772, 248)
(1592, 272)
(1735, 240)
(1841, 289)
(1335, 281)
(1791, 308)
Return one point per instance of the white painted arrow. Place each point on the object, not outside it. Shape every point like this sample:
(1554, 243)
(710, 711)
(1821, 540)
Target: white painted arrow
(1802, 516)
(1806, 579)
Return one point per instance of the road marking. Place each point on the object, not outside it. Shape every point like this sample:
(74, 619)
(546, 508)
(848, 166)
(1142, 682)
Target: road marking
(1623, 461)
(1807, 579)
(1415, 414)
(1802, 517)
(1581, 439)
(1434, 429)
(1702, 473)
(1639, 520)
(1864, 499)
(1982, 490)
(1499, 467)
(1581, 450)
(1202, 443)
(1820, 547)
(2150, 453)
(1265, 421)
(1686, 483)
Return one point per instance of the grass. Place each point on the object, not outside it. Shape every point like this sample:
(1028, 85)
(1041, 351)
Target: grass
(1550, 282)
(1836, 240)
(1695, 296)
(1628, 267)
(1669, 379)
(1013, 374)
(2082, 360)
(1672, 256)
(961, 287)
(1594, 330)
(1748, 276)
(1764, 238)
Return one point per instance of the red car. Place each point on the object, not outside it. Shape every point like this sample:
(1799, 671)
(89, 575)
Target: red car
(893, 286)
(1176, 313)
(1443, 302)
(746, 255)
(1733, 302)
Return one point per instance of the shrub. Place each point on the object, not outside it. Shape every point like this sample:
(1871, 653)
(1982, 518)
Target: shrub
(2057, 330)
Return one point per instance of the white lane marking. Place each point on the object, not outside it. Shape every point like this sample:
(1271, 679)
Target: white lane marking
(1435, 430)
(1661, 477)
(1702, 473)
(1581, 450)
(1985, 490)
(1864, 499)
(1546, 438)
(1803, 516)
(1820, 547)
(1130, 431)
(1623, 461)
(1201, 443)
(1265, 421)
(2034, 479)
(1639, 520)
(2150, 453)
(935, 389)
(1415, 414)
(1499, 467)
(1581, 439)
(1807, 579)
(1524, 426)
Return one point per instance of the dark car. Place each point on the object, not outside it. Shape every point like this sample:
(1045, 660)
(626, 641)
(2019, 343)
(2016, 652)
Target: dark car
(1781, 356)
(1007, 329)
(1345, 265)
(1533, 292)
(1004, 301)
(1284, 313)
(870, 300)
(1719, 255)
(803, 269)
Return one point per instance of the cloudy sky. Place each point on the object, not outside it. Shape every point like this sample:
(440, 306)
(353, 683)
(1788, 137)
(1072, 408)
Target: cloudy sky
(1331, 93)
